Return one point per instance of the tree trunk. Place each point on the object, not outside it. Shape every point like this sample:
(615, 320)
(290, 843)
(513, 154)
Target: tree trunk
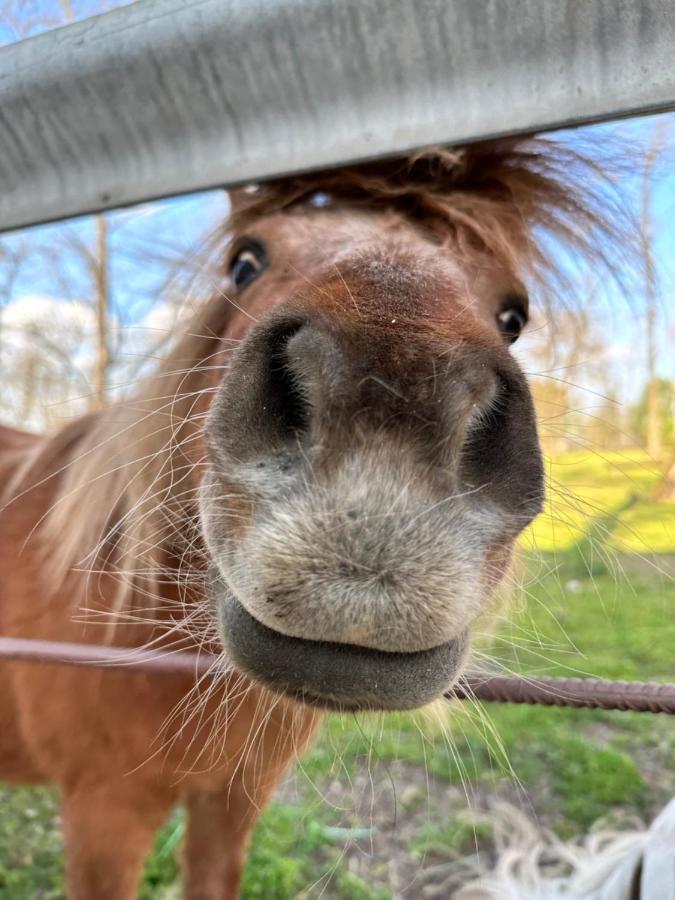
(653, 435)
(102, 288)
(28, 388)
(665, 489)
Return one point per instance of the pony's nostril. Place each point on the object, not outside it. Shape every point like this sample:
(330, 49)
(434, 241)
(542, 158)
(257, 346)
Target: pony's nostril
(262, 408)
(500, 455)
(285, 399)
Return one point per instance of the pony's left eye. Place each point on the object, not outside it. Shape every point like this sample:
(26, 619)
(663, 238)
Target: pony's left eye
(247, 263)
(511, 322)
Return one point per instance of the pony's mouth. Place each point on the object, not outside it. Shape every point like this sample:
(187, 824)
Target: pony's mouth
(332, 675)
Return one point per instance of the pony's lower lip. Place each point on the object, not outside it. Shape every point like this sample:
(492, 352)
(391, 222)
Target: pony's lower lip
(336, 676)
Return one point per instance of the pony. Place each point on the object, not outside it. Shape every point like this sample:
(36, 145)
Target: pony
(321, 483)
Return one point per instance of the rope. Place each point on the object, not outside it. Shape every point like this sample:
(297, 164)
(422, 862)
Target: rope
(583, 693)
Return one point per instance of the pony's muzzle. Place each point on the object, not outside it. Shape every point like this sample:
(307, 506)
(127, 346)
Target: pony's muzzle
(362, 481)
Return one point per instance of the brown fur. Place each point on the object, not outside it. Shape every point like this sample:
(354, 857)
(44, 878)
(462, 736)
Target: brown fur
(99, 532)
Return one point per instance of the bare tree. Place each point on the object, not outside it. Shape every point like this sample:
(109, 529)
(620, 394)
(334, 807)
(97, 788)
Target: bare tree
(71, 262)
(102, 307)
(572, 385)
(654, 447)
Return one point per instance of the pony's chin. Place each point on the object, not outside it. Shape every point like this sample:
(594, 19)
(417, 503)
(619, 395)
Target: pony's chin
(332, 675)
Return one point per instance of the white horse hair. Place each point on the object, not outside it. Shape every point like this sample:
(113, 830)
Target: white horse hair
(536, 865)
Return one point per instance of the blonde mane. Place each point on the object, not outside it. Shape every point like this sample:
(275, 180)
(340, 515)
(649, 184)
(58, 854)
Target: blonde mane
(124, 498)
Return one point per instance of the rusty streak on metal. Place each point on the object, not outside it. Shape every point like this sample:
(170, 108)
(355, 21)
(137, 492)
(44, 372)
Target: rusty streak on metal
(582, 693)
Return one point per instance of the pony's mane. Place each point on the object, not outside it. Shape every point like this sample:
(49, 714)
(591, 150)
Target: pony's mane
(511, 199)
(124, 500)
(123, 503)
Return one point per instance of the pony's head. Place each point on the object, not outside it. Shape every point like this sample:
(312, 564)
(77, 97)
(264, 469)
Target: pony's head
(373, 452)
(369, 454)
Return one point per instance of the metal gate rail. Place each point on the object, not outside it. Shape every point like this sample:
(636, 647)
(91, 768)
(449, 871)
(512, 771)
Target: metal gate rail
(166, 96)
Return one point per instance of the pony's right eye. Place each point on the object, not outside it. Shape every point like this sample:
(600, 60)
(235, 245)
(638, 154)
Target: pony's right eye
(247, 263)
(511, 322)
(512, 318)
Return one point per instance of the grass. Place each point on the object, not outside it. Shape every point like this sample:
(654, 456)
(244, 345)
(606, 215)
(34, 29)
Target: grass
(597, 485)
(383, 806)
(30, 845)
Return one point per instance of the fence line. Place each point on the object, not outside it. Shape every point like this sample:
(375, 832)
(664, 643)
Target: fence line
(588, 693)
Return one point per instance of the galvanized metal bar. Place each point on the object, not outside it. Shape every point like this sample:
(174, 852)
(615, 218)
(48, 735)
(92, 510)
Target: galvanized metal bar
(168, 96)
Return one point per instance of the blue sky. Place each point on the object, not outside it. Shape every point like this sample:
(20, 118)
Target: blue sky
(143, 241)
(145, 244)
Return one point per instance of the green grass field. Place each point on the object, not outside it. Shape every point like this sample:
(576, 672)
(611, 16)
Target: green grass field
(384, 806)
